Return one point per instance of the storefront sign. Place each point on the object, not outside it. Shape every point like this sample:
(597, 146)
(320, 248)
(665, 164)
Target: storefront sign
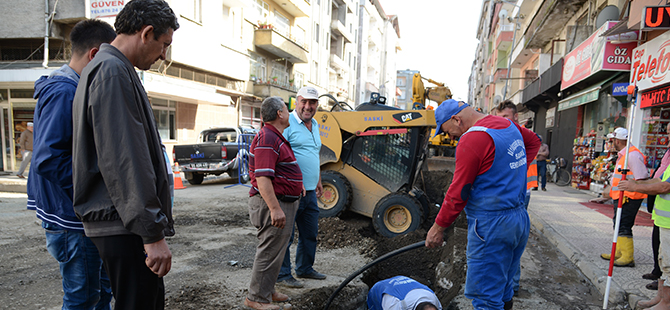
(578, 99)
(106, 8)
(596, 54)
(656, 17)
(619, 89)
(655, 97)
(651, 63)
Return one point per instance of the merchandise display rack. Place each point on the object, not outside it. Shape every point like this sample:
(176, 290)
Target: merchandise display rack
(654, 140)
(583, 152)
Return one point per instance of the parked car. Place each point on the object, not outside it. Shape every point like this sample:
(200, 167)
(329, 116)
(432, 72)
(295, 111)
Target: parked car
(219, 150)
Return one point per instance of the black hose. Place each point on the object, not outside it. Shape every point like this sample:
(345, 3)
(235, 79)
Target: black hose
(374, 262)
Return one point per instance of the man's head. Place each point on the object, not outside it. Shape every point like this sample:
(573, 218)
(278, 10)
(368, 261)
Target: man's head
(448, 119)
(619, 136)
(308, 100)
(151, 23)
(507, 109)
(86, 37)
(275, 112)
(29, 126)
(425, 306)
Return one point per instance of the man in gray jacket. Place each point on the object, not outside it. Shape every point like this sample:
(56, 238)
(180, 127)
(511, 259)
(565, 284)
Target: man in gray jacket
(120, 170)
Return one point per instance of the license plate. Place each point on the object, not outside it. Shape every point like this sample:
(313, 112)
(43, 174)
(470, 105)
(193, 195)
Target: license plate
(199, 165)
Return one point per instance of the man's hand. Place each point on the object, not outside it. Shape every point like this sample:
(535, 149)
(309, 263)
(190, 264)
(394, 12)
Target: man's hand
(319, 189)
(159, 257)
(435, 236)
(278, 217)
(627, 185)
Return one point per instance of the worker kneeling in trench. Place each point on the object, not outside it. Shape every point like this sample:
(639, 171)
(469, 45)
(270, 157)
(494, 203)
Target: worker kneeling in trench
(402, 293)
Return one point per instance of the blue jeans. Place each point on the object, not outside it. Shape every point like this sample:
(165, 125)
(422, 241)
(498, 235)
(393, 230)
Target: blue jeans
(517, 275)
(542, 172)
(85, 283)
(496, 241)
(307, 220)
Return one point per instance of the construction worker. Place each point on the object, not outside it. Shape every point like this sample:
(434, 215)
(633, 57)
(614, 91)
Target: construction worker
(402, 293)
(661, 216)
(489, 178)
(631, 200)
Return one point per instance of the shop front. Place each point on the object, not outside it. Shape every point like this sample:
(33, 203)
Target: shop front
(649, 72)
(593, 75)
(18, 108)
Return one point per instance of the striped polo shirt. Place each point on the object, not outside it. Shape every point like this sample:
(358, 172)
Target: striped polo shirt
(271, 156)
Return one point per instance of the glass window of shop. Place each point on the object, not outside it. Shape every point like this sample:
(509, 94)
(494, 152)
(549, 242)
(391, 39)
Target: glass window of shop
(611, 111)
(164, 114)
(654, 134)
(18, 107)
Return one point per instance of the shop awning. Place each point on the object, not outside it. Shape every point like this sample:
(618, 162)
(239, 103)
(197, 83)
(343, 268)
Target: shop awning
(583, 97)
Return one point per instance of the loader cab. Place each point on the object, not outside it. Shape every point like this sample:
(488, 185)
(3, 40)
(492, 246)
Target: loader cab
(376, 103)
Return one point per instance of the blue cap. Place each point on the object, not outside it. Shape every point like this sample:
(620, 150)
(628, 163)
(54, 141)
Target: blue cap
(446, 110)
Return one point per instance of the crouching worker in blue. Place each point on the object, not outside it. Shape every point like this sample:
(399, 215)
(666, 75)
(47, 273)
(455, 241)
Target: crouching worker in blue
(402, 293)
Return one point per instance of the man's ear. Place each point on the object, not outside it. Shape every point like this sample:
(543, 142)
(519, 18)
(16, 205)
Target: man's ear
(92, 52)
(147, 31)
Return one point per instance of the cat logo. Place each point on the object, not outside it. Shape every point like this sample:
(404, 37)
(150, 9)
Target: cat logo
(402, 118)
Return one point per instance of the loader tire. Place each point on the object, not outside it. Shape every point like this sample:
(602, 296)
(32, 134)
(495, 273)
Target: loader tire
(397, 214)
(425, 204)
(336, 195)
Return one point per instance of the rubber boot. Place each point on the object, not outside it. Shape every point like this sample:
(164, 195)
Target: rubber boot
(644, 304)
(627, 249)
(665, 298)
(617, 253)
(508, 305)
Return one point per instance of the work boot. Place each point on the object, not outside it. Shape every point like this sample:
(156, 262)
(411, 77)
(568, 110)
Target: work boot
(508, 304)
(627, 250)
(664, 292)
(606, 256)
(643, 304)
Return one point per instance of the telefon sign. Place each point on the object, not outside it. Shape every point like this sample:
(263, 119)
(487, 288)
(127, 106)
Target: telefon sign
(651, 63)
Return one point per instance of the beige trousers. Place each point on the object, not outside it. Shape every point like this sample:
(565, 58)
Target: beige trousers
(271, 249)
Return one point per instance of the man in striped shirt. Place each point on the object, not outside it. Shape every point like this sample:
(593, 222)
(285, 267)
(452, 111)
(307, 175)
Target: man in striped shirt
(276, 189)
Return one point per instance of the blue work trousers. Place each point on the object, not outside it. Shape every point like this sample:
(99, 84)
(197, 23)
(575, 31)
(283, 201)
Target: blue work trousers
(307, 221)
(542, 172)
(85, 283)
(496, 241)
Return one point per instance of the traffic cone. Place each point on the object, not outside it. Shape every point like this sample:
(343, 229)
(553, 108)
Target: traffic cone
(178, 184)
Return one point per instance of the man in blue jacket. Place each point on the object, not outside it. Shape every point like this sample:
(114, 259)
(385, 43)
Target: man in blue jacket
(402, 293)
(85, 283)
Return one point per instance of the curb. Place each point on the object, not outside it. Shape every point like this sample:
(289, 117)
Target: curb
(588, 268)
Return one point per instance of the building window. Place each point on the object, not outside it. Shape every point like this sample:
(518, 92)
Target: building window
(316, 32)
(281, 24)
(260, 10)
(349, 59)
(192, 9)
(299, 35)
(298, 79)
(315, 72)
(164, 114)
(259, 67)
(251, 116)
(280, 73)
(327, 41)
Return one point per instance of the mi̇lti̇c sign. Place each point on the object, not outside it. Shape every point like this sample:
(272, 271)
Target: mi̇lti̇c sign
(656, 17)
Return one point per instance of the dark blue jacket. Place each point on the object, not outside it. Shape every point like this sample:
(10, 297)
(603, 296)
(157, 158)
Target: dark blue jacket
(50, 176)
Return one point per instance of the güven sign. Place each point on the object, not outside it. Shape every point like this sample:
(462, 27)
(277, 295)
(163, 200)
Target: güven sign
(106, 8)
(596, 54)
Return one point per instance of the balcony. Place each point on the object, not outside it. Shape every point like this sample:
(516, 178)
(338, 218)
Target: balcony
(554, 15)
(504, 37)
(280, 46)
(338, 63)
(297, 8)
(501, 73)
(339, 93)
(270, 88)
(341, 29)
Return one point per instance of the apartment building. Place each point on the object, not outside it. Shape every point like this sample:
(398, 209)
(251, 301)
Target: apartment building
(227, 56)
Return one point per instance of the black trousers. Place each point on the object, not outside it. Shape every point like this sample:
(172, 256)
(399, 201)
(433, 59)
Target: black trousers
(134, 285)
(655, 238)
(628, 214)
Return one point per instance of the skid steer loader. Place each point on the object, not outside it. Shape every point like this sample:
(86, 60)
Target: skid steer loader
(370, 158)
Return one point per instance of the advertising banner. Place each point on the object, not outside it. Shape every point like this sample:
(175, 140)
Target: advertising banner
(106, 8)
(596, 54)
(651, 62)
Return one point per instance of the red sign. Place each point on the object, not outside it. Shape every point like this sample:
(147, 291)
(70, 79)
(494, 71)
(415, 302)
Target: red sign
(651, 63)
(656, 97)
(656, 17)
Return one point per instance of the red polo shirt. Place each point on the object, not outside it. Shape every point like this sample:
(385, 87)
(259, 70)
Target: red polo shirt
(271, 156)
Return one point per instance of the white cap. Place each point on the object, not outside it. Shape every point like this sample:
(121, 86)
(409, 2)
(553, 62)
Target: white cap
(619, 133)
(308, 92)
(30, 124)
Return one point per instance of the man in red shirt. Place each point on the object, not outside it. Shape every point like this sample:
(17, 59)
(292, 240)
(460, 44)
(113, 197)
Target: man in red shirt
(276, 187)
(492, 157)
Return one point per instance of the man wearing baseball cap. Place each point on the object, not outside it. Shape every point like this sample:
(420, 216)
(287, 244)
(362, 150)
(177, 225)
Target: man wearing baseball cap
(631, 200)
(492, 157)
(303, 135)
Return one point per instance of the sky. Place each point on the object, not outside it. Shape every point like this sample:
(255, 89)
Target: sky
(438, 38)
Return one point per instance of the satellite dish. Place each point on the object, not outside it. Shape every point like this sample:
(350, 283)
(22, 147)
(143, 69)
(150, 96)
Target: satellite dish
(608, 13)
(502, 14)
(496, 100)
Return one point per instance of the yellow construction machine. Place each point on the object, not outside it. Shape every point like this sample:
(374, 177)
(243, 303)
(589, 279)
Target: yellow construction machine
(370, 159)
(440, 145)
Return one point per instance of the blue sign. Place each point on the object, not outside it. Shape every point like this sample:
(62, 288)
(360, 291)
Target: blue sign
(620, 89)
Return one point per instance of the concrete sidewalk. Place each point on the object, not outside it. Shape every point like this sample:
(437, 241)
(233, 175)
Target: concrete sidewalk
(11, 183)
(582, 234)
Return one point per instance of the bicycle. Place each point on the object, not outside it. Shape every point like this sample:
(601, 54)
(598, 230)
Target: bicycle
(556, 172)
